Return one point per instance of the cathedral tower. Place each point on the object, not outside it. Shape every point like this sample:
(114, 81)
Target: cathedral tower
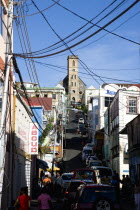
(73, 79)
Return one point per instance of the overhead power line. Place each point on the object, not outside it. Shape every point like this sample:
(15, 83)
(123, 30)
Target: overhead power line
(79, 29)
(38, 12)
(24, 89)
(109, 78)
(93, 34)
(27, 45)
(81, 62)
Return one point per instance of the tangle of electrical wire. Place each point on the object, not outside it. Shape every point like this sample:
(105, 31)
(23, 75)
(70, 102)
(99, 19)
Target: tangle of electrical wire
(31, 61)
(38, 12)
(81, 62)
(80, 27)
(91, 35)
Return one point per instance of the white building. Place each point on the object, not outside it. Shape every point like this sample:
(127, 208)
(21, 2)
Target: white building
(98, 100)
(124, 107)
(22, 160)
(88, 94)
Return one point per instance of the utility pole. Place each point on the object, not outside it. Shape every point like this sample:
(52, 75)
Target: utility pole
(3, 137)
(54, 152)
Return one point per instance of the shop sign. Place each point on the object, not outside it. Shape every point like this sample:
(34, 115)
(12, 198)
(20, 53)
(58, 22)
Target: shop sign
(110, 92)
(33, 139)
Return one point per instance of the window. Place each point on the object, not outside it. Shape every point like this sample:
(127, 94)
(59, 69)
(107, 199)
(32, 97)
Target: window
(132, 105)
(75, 76)
(80, 92)
(73, 63)
(45, 95)
(53, 96)
(37, 95)
(72, 77)
(75, 83)
(71, 83)
(73, 91)
(108, 101)
(73, 69)
(73, 99)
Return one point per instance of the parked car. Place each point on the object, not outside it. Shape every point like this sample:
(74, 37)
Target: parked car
(81, 120)
(96, 197)
(90, 145)
(66, 179)
(94, 163)
(101, 172)
(89, 158)
(84, 131)
(81, 127)
(86, 151)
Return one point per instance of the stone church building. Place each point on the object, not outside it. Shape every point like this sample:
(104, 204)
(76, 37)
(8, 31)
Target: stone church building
(72, 83)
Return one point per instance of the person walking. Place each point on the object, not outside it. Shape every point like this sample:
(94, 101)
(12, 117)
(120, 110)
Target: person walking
(44, 200)
(46, 179)
(23, 200)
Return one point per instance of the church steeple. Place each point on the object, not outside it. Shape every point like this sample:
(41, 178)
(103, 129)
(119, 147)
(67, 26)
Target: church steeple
(73, 79)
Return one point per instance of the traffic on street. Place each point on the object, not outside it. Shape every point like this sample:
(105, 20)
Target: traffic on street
(84, 181)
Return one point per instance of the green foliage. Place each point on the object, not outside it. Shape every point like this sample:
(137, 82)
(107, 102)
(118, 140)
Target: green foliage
(44, 150)
(84, 108)
(46, 131)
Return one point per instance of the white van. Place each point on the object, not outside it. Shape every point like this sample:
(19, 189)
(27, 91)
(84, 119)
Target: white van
(101, 172)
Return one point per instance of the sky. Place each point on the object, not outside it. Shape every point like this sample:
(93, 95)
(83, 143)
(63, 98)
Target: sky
(107, 57)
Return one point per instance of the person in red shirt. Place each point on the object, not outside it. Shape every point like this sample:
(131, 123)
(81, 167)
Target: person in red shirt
(23, 200)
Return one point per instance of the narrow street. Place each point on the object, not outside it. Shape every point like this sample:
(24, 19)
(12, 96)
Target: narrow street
(72, 145)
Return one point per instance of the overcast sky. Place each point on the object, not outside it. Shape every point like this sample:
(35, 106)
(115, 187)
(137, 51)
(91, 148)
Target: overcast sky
(106, 56)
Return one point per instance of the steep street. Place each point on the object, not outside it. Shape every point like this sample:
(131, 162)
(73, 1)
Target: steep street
(73, 146)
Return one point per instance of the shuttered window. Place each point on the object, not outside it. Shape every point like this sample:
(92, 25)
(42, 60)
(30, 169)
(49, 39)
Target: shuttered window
(132, 105)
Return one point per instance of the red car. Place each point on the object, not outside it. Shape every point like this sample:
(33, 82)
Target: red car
(84, 173)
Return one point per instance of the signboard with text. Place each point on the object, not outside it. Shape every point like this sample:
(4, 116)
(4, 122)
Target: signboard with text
(33, 139)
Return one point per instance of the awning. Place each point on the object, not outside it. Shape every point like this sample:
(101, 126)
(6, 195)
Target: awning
(42, 164)
(54, 169)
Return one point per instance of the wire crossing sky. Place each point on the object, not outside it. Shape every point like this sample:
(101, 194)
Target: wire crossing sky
(77, 20)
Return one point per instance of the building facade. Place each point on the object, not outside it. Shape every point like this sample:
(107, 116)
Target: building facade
(124, 107)
(22, 157)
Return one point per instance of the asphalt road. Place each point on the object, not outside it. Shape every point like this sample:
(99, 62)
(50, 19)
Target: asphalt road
(72, 145)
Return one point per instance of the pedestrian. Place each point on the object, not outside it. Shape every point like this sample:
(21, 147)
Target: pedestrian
(44, 200)
(116, 182)
(23, 200)
(105, 180)
(83, 142)
(123, 181)
(58, 184)
(49, 188)
(41, 177)
(46, 179)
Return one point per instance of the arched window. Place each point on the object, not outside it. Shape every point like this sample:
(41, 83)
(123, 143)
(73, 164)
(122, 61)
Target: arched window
(71, 76)
(73, 98)
(73, 63)
(73, 91)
